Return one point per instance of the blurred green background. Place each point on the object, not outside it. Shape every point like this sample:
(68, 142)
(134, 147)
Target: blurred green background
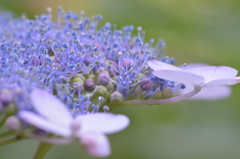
(206, 31)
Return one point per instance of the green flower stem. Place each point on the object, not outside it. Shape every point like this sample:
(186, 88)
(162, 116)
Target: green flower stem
(3, 120)
(11, 140)
(8, 133)
(158, 101)
(42, 149)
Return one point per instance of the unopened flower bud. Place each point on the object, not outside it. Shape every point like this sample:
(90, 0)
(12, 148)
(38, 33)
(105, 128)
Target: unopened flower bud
(158, 95)
(146, 84)
(6, 97)
(89, 84)
(98, 71)
(77, 86)
(78, 78)
(103, 79)
(116, 97)
(167, 92)
(102, 91)
(13, 124)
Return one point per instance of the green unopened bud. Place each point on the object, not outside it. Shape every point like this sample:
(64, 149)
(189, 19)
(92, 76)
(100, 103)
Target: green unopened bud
(116, 98)
(11, 109)
(138, 91)
(91, 75)
(158, 95)
(13, 124)
(78, 78)
(166, 93)
(102, 91)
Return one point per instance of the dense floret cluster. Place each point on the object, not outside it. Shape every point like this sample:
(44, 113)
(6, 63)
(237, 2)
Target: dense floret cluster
(59, 80)
(88, 67)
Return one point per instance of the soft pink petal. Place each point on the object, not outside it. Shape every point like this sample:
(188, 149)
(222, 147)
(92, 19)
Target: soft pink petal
(102, 122)
(179, 76)
(97, 145)
(158, 65)
(209, 93)
(212, 73)
(44, 124)
(50, 107)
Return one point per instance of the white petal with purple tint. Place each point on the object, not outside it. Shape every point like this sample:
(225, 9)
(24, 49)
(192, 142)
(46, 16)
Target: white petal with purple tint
(214, 73)
(179, 76)
(158, 65)
(96, 144)
(102, 122)
(44, 124)
(209, 93)
(50, 107)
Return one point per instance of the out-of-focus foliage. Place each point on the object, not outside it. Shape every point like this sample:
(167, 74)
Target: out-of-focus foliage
(205, 31)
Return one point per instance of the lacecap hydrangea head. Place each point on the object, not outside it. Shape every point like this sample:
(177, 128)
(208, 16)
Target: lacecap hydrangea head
(87, 66)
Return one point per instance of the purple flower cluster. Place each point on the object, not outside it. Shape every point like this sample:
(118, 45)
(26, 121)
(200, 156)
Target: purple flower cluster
(58, 80)
(89, 68)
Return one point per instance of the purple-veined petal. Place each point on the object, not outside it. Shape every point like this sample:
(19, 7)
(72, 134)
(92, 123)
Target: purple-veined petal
(96, 144)
(50, 107)
(209, 93)
(44, 124)
(212, 73)
(179, 76)
(158, 65)
(102, 122)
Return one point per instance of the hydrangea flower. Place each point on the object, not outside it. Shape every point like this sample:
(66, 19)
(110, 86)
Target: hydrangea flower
(52, 116)
(210, 78)
(87, 71)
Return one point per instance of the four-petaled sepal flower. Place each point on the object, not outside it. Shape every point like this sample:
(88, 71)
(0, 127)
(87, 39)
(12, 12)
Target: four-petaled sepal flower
(53, 117)
(211, 79)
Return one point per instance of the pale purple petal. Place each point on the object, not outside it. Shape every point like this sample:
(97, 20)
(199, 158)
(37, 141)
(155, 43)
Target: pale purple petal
(97, 145)
(213, 73)
(179, 76)
(158, 65)
(102, 122)
(192, 65)
(228, 81)
(44, 124)
(50, 107)
(209, 93)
